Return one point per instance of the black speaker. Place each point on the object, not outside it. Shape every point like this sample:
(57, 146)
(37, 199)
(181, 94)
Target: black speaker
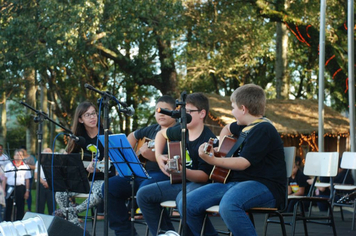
(57, 226)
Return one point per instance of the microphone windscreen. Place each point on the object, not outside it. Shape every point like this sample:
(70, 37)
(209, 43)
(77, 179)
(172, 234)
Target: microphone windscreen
(189, 118)
(81, 142)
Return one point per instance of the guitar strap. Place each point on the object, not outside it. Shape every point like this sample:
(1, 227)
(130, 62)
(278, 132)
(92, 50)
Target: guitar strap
(243, 135)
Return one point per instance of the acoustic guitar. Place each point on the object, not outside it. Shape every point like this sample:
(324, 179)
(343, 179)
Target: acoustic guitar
(140, 142)
(174, 162)
(100, 165)
(220, 174)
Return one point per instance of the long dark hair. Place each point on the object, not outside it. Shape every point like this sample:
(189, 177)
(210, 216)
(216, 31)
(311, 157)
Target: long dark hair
(78, 128)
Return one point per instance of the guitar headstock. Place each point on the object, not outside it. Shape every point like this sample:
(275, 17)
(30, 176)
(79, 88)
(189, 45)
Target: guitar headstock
(209, 146)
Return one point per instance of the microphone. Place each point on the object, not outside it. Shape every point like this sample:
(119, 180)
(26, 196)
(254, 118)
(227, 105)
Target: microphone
(174, 114)
(129, 111)
(78, 140)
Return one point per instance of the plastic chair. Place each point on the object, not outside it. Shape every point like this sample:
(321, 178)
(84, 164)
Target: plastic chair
(172, 206)
(323, 164)
(289, 156)
(348, 162)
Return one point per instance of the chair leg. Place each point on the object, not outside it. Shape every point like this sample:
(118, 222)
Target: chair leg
(283, 226)
(302, 209)
(94, 221)
(160, 221)
(147, 231)
(250, 215)
(203, 226)
(265, 225)
(331, 215)
(294, 219)
(353, 217)
(342, 213)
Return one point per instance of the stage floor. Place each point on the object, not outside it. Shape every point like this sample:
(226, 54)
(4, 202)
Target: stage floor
(343, 228)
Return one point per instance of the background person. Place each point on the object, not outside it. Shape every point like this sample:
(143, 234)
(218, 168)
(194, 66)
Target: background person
(4, 159)
(29, 160)
(297, 183)
(19, 174)
(45, 195)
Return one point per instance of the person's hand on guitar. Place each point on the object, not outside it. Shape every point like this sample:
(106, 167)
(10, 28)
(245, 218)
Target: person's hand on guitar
(147, 152)
(90, 167)
(161, 161)
(173, 165)
(207, 154)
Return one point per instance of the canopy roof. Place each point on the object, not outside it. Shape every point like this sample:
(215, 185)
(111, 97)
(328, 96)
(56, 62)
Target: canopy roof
(288, 116)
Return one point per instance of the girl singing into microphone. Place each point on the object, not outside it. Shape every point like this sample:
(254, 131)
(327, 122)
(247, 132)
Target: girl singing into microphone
(85, 125)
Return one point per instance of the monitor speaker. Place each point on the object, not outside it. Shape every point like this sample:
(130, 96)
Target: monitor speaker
(57, 226)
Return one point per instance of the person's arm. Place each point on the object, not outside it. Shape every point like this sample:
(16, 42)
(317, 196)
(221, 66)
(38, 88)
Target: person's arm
(225, 131)
(289, 190)
(234, 163)
(300, 192)
(160, 142)
(4, 183)
(197, 176)
(132, 140)
(310, 182)
(27, 184)
(144, 150)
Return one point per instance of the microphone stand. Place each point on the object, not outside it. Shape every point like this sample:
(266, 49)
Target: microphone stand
(41, 116)
(13, 217)
(183, 121)
(106, 97)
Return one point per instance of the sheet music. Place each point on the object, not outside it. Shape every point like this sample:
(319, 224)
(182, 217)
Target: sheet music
(123, 156)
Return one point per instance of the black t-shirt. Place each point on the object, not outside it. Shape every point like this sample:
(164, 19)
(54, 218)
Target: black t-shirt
(299, 181)
(150, 132)
(194, 162)
(90, 146)
(263, 148)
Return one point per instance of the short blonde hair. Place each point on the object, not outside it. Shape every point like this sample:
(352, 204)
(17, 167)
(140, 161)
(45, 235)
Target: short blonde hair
(252, 97)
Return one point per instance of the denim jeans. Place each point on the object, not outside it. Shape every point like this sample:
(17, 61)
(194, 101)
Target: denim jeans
(119, 191)
(234, 198)
(150, 197)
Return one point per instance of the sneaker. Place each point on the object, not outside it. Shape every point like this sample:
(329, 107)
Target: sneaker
(348, 198)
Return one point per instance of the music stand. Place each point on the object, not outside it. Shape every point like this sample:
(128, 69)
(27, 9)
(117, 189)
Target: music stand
(126, 163)
(69, 174)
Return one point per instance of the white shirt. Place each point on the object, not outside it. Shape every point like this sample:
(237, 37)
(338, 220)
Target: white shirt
(23, 173)
(42, 173)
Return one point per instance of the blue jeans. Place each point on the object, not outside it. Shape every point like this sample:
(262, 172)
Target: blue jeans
(119, 191)
(150, 197)
(234, 198)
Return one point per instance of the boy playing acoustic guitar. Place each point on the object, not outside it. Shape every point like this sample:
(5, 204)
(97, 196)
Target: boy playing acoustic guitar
(150, 196)
(258, 172)
(120, 187)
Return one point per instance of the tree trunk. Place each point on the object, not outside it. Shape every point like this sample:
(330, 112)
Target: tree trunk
(30, 77)
(44, 108)
(3, 129)
(282, 77)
